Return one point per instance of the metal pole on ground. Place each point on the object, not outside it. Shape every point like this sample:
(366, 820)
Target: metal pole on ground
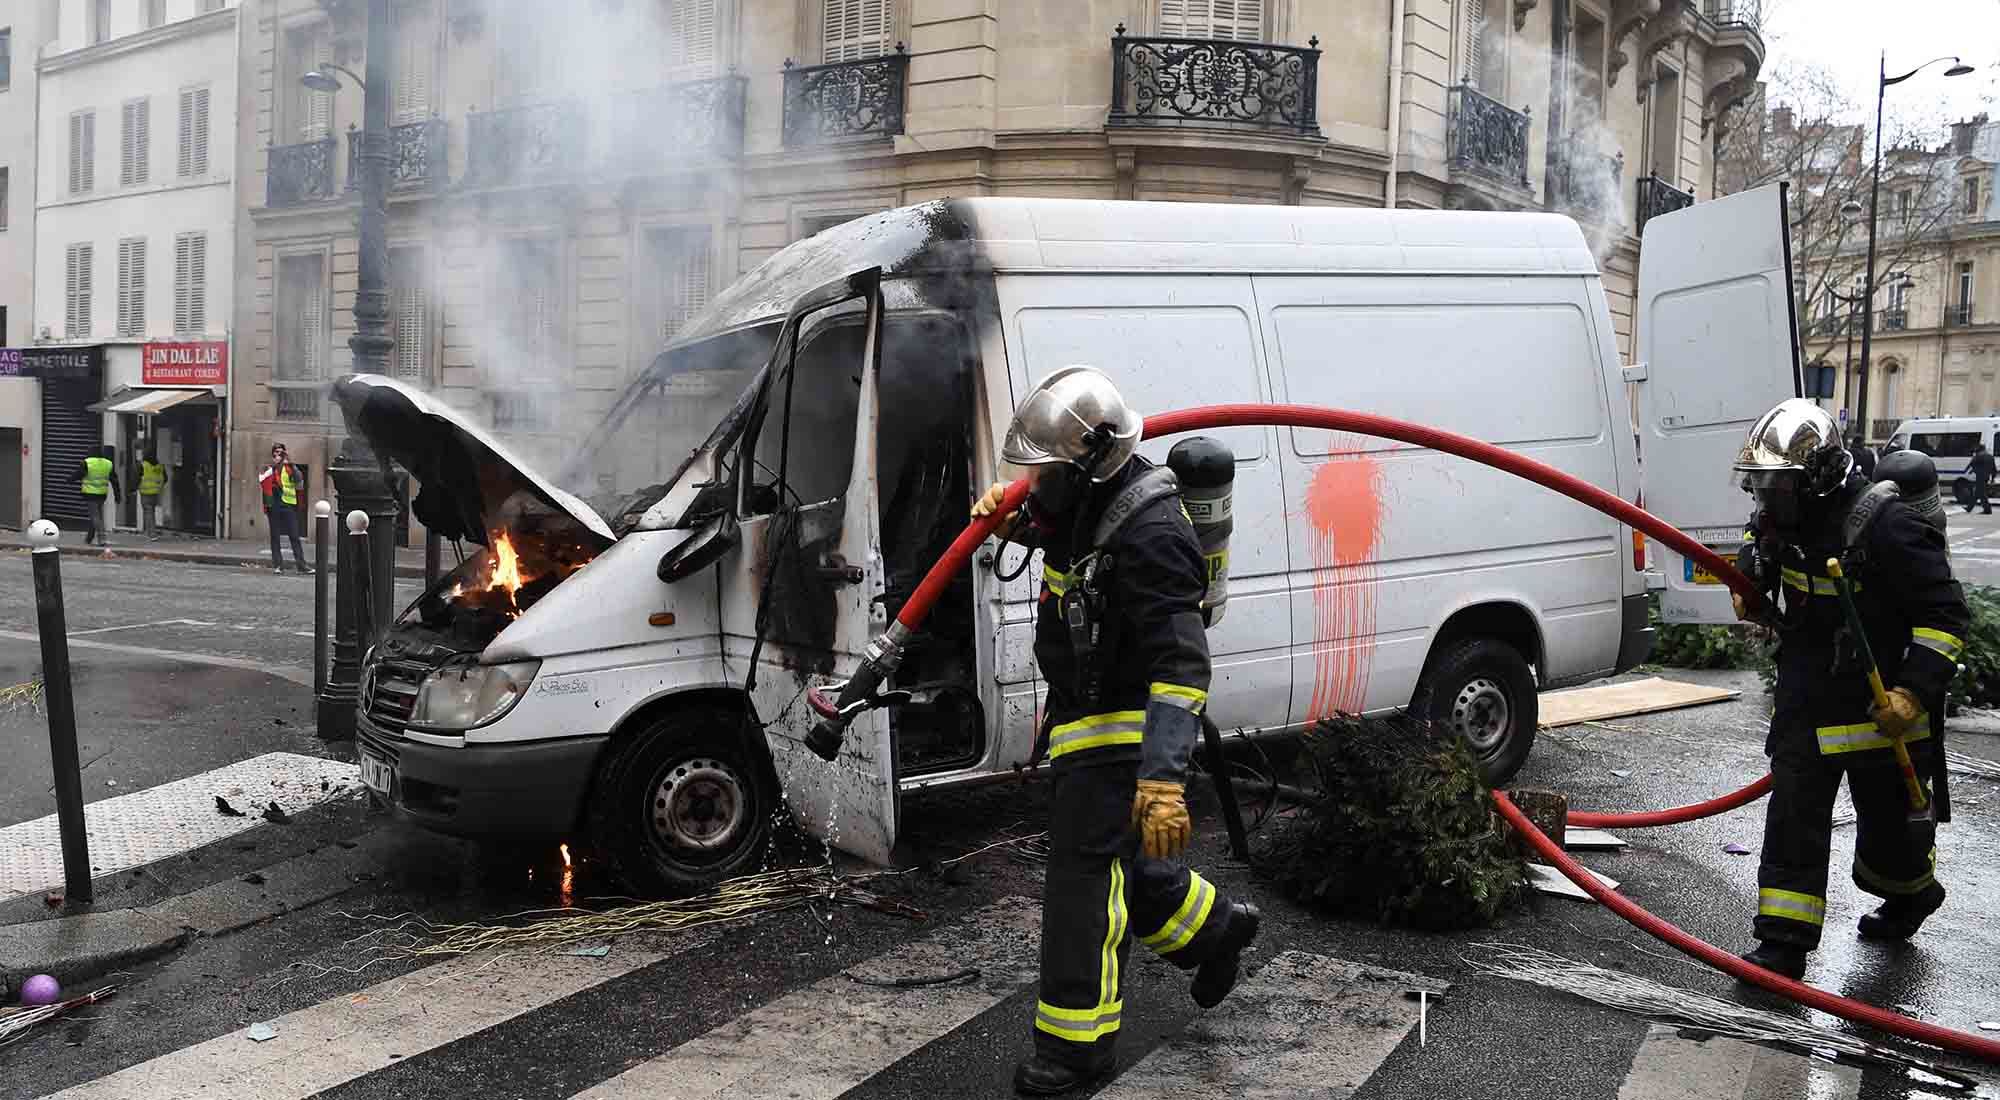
(433, 557)
(364, 582)
(322, 548)
(43, 536)
(335, 711)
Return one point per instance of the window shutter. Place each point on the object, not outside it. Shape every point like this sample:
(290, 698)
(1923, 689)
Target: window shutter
(410, 314)
(852, 30)
(134, 138)
(190, 283)
(312, 322)
(691, 36)
(316, 119)
(76, 311)
(683, 267)
(1234, 19)
(194, 132)
(1475, 39)
(90, 150)
(132, 286)
(415, 48)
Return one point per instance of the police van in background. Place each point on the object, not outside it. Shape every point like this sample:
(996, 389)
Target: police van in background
(1949, 440)
(632, 658)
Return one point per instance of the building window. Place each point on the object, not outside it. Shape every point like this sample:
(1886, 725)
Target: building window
(1962, 309)
(134, 141)
(190, 284)
(691, 39)
(852, 30)
(529, 48)
(1665, 101)
(76, 291)
(156, 12)
(416, 54)
(100, 21)
(6, 57)
(194, 132)
(1239, 19)
(1486, 46)
(3, 198)
(410, 312)
(308, 114)
(210, 5)
(300, 347)
(680, 271)
(132, 286)
(1589, 74)
(82, 152)
(1898, 293)
(526, 301)
(1972, 195)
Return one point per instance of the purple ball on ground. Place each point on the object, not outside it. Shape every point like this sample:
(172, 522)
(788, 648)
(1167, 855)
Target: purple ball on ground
(40, 990)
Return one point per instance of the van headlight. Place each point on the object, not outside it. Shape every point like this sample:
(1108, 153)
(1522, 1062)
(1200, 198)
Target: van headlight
(463, 697)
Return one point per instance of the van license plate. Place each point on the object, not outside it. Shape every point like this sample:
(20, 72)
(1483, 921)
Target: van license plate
(1697, 575)
(377, 774)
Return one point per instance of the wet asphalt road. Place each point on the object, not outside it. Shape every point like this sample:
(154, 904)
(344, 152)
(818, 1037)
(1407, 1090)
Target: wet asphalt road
(1488, 1037)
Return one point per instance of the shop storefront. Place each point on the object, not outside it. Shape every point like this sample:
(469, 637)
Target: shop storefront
(72, 380)
(171, 411)
(19, 418)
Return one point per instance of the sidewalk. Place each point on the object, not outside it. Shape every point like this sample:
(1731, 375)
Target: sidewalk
(240, 552)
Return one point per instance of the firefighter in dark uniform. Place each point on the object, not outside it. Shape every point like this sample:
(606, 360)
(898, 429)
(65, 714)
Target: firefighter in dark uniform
(1811, 505)
(1122, 645)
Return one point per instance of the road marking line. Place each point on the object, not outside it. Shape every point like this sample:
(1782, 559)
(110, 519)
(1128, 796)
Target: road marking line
(140, 626)
(300, 676)
(821, 1041)
(1302, 1019)
(135, 829)
(356, 1034)
(1669, 1067)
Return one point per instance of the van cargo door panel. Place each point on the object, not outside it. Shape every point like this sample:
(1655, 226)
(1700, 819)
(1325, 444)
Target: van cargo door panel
(1717, 336)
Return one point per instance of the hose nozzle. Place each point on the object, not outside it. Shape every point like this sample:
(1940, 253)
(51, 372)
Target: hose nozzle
(858, 693)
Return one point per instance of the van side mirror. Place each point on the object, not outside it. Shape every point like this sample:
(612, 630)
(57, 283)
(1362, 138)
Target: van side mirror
(702, 549)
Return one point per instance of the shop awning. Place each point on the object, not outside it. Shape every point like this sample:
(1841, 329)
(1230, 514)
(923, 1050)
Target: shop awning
(148, 402)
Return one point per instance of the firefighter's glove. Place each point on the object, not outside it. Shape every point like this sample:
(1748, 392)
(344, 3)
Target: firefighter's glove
(1742, 609)
(1159, 812)
(1897, 715)
(990, 502)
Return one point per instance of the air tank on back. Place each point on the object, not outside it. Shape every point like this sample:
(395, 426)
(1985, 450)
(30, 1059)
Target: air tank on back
(1207, 471)
(1916, 481)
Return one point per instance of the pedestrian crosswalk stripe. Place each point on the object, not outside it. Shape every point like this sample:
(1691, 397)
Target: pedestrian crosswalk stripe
(828, 1037)
(354, 1035)
(1302, 1018)
(1670, 1067)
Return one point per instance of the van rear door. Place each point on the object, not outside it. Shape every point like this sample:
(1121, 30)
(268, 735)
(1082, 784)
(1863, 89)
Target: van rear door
(1718, 346)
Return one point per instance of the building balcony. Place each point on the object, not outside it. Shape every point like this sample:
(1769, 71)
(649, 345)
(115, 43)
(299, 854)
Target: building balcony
(653, 132)
(1894, 320)
(1593, 187)
(1883, 429)
(1735, 13)
(1656, 197)
(846, 100)
(521, 145)
(416, 155)
(295, 400)
(1487, 154)
(1257, 87)
(299, 173)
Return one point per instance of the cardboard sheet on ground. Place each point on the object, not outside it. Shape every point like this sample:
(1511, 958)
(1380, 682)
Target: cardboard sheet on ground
(1648, 696)
(1548, 880)
(1592, 840)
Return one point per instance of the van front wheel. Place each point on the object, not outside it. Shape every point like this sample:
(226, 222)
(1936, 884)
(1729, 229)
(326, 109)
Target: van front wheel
(1483, 690)
(679, 805)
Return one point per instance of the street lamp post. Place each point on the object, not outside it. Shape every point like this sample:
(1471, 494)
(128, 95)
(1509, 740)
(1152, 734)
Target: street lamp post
(358, 475)
(1882, 83)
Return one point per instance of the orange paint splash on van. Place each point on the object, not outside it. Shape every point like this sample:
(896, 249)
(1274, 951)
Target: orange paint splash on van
(1344, 508)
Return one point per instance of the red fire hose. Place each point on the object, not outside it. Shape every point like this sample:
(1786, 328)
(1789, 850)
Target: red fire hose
(886, 652)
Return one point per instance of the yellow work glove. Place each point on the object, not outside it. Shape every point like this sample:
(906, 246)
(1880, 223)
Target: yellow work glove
(989, 503)
(1159, 812)
(1742, 609)
(1897, 715)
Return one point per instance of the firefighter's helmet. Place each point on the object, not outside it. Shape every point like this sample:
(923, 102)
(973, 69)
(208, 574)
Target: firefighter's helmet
(1796, 440)
(1074, 416)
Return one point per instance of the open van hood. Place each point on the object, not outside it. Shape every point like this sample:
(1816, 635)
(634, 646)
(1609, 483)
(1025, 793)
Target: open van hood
(466, 474)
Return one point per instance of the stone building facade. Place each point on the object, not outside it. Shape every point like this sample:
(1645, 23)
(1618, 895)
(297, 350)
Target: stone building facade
(573, 180)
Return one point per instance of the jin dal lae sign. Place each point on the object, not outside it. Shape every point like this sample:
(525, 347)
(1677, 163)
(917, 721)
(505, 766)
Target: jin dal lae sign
(185, 363)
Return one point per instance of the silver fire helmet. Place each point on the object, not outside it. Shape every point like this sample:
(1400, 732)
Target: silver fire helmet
(1074, 416)
(1795, 439)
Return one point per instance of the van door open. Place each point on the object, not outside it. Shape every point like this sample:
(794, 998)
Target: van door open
(1718, 346)
(802, 591)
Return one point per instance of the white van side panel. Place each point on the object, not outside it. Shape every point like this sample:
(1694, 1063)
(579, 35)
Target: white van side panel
(1173, 342)
(1388, 540)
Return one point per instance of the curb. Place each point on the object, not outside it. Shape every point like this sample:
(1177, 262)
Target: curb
(201, 557)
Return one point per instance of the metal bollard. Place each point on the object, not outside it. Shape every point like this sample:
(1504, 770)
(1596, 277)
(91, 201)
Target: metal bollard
(322, 550)
(43, 536)
(364, 582)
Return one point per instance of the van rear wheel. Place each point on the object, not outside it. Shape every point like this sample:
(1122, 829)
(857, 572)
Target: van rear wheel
(680, 805)
(1483, 690)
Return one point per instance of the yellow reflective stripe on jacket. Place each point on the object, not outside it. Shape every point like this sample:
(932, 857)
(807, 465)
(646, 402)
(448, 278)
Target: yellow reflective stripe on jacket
(1058, 582)
(1188, 920)
(1818, 586)
(1179, 695)
(1868, 877)
(1791, 905)
(1863, 736)
(1120, 727)
(1948, 646)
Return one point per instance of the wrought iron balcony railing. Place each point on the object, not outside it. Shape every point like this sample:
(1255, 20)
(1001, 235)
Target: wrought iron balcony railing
(656, 130)
(1883, 429)
(1725, 13)
(521, 144)
(845, 100)
(1657, 196)
(299, 173)
(1177, 81)
(298, 402)
(1488, 137)
(416, 155)
(1895, 320)
(1593, 185)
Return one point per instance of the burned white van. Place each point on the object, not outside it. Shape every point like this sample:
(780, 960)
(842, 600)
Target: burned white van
(628, 659)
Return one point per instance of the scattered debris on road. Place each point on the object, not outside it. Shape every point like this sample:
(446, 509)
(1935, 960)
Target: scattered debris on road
(276, 816)
(1593, 840)
(1548, 880)
(1577, 706)
(969, 974)
(1735, 849)
(15, 1023)
(223, 807)
(261, 1033)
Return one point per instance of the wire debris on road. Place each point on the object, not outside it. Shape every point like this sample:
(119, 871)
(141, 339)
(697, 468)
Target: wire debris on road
(16, 1023)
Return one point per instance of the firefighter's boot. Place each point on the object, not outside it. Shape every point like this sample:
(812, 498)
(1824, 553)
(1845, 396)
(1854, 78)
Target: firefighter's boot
(1779, 958)
(1042, 1075)
(1899, 918)
(1218, 973)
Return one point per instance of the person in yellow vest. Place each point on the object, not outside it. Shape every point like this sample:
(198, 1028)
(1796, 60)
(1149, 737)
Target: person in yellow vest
(282, 488)
(98, 478)
(152, 480)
